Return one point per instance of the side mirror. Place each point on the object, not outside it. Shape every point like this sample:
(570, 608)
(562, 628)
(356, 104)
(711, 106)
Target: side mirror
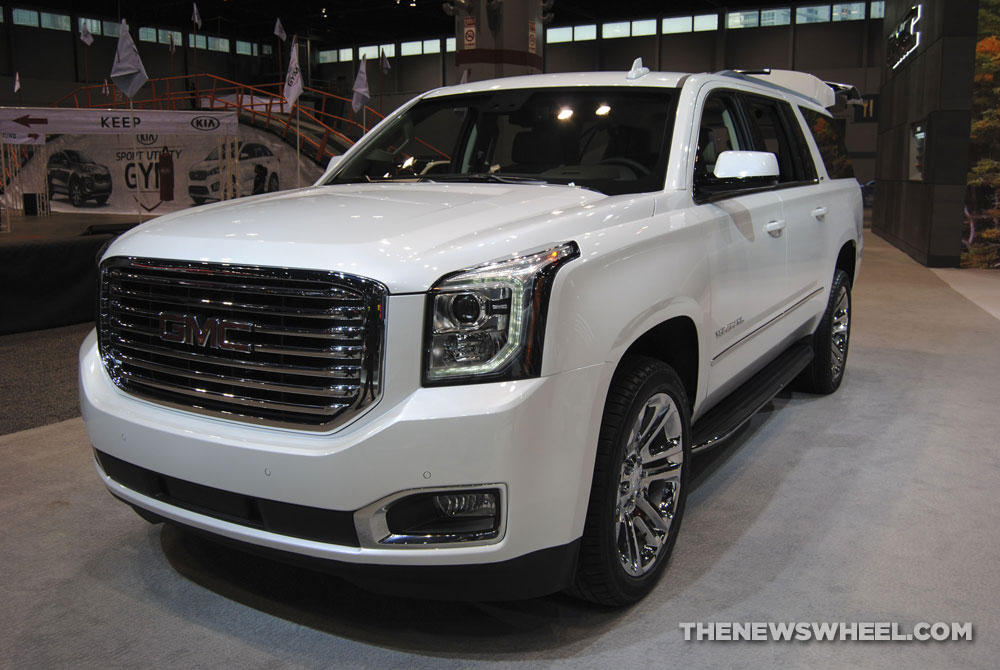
(334, 161)
(746, 164)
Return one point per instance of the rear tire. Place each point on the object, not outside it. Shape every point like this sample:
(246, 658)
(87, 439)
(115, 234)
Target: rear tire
(639, 485)
(830, 341)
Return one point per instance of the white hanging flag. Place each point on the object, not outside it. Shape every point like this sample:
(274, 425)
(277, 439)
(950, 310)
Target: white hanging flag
(279, 30)
(106, 89)
(171, 38)
(17, 82)
(361, 94)
(293, 80)
(465, 76)
(85, 35)
(195, 16)
(128, 71)
(385, 63)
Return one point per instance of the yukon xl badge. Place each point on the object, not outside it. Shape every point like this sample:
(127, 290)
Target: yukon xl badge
(213, 332)
(728, 327)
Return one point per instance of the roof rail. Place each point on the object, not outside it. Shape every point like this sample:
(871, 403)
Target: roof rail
(802, 84)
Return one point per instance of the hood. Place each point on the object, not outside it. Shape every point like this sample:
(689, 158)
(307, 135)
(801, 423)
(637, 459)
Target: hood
(204, 165)
(405, 235)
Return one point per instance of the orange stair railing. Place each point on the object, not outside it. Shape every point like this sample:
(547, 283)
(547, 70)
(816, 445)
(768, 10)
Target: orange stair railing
(263, 105)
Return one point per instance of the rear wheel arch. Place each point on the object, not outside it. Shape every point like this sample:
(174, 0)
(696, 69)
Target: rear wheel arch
(847, 259)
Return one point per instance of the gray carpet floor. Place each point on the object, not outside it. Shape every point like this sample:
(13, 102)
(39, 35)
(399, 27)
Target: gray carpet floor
(878, 503)
(38, 377)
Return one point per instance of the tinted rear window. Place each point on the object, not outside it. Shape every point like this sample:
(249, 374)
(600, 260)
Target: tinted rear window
(829, 136)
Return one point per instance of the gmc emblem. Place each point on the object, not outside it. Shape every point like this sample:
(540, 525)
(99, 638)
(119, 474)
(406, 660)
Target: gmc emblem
(214, 332)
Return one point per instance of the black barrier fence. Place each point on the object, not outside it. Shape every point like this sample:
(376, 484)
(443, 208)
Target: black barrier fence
(48, 284)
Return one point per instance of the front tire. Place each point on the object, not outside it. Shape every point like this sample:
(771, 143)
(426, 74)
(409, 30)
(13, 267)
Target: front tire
(830, 341)
(76, 195)
(639, 485)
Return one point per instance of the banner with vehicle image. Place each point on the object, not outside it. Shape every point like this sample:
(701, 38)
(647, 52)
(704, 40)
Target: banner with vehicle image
(116, 174)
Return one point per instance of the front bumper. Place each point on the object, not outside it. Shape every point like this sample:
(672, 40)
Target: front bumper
(536, 438)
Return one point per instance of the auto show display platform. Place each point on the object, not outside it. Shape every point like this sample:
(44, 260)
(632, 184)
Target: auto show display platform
(877, 503)
(48, 272)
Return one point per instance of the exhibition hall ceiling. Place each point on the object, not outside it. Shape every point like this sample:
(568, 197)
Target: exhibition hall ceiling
(357, 20)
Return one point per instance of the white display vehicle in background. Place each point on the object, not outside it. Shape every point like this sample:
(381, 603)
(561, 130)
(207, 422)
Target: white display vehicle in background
(258, 173)
(474, 359)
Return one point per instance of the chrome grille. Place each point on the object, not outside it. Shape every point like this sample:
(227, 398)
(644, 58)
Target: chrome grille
(275, 346)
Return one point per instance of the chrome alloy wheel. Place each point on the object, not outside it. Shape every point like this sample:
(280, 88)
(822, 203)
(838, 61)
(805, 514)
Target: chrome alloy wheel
(649, 485)
(840, 332)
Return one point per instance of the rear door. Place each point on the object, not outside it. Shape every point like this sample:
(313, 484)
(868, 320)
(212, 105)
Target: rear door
(776, 129)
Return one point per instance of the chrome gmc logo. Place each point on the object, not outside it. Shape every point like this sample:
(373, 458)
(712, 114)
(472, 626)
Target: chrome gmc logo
(211, 332)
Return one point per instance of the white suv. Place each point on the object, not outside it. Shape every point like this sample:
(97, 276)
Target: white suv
(474, 359)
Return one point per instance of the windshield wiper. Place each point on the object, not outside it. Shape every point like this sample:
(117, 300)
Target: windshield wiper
(484, 177)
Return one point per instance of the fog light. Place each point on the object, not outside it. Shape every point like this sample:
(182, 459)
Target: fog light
(444, 516)
(466, 504)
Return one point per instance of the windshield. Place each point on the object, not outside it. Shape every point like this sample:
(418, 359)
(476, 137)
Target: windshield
(79, 156)
(214, 154)
(613, 140)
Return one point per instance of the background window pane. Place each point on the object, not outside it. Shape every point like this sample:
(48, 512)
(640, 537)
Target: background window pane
(112, 29)
(878, 10)
(196, 43)
(346, 55)
(267, 50)
(371, 53)
(584, 33)
(329, 56)
(743, 19)
(819, 14)
(56, 21)
(411, 49)
(449, 44)
(93, 25)
(432, 46)
(147, 34)
(613, 30)
(389, 49)
(25, 17)
(706, 22)
(557, 35)
(163, 37)
(645, 27)
(677, 24)
(775, 17)
(849, 11)
(218, 44)
(244, 48)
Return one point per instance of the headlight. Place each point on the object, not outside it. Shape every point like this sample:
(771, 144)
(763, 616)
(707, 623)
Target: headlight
(488, 322)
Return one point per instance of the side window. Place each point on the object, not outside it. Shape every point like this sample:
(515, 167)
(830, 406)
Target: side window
(829, 137)
(767, 123)
(718, 131)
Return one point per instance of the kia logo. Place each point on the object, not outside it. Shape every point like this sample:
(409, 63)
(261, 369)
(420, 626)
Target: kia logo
(146, 139)
(213, 331)
(204, 123)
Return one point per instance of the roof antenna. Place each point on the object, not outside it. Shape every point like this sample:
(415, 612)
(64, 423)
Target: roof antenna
(637, 70)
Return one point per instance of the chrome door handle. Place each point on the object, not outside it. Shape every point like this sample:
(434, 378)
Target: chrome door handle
(774, 228)
(820, 212)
